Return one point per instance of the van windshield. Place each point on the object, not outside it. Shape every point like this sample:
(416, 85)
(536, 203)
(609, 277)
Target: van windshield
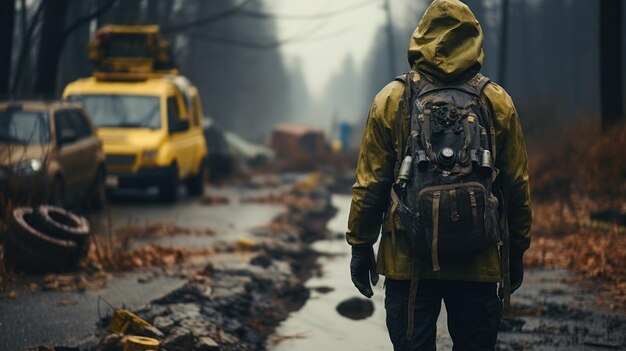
(24, 127)
(122, 111)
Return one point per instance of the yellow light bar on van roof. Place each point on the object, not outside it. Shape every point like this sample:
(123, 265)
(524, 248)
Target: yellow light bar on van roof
(127, 28)
(130, 52)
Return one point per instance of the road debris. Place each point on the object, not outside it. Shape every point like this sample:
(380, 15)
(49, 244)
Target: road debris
(247, 288)
(45, 239)
(214, 200)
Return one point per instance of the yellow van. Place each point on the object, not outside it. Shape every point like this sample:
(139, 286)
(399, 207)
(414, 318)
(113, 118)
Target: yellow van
(148, 117)
(151, 131)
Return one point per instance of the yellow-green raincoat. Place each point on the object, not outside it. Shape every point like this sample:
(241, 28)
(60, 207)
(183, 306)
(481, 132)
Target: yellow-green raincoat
(446, 48)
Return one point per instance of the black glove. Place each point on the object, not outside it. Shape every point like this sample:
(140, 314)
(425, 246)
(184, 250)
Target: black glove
(516, 268)
(363, 268)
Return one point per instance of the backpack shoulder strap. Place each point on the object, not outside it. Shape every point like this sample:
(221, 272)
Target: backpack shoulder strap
(403, 109)
(478, 82)
(401, 78)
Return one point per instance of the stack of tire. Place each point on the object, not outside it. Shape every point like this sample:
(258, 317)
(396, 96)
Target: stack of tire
(45, 239)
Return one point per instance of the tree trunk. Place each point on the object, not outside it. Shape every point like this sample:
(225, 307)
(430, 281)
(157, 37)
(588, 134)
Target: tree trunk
(391, 51)
(503, 47)
(611, 98)
(7, 15)
(50, 46)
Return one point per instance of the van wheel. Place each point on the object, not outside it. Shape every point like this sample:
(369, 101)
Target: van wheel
(195, 184)
(168, 189)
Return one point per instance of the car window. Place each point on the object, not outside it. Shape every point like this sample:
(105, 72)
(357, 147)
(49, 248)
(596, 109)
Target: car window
(24, 127)
(83, 130)
(62, 121)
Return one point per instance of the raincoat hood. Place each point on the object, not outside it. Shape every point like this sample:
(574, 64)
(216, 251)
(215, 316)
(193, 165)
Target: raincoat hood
(447, 45)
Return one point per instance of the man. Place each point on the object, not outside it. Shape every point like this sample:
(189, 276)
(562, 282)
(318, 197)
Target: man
(445, 50)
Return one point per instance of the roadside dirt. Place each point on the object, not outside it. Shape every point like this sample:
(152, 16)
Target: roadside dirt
(248, 286)
(566, 237)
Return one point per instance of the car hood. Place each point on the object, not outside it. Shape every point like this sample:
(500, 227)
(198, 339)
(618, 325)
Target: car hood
(11, 154)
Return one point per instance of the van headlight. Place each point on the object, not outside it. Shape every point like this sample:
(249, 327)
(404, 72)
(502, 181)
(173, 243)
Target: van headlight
(150, 155)
(26, 168)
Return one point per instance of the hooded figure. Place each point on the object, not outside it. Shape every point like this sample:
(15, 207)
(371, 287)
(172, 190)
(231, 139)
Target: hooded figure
(445, 49)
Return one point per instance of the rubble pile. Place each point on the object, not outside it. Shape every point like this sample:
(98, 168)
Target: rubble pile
(246, 290)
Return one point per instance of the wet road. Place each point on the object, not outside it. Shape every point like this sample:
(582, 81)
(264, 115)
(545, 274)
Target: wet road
(65, 318)
(575, 324)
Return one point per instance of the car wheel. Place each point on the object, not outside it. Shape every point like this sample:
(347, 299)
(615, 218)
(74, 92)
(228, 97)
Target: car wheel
(98, 196)
(61, 224)
(195, 184)
(168, 189)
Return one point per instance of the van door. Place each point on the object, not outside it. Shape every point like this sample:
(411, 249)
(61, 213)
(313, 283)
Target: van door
(179, 127)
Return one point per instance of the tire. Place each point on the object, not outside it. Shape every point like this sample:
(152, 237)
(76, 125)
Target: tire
(98, 194)
(195, 184)
(63, 225)
(23, 258)
(32, 251)
(168, 189)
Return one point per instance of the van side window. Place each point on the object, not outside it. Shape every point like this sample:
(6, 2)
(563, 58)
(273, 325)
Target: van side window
(173, 112)
(196, 109)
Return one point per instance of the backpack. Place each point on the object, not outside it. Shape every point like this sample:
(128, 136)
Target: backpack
(444, 178)
(443, 190)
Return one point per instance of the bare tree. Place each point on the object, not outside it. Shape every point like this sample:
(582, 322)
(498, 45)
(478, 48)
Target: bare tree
(7, 15)
(503, 47)
(54, 33)
(611, 97)
(50, 45)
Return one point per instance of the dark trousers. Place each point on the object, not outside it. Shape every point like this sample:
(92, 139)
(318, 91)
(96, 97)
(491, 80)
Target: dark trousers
(474, 311)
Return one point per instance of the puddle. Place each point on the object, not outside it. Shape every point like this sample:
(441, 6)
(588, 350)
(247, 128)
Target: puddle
(318, 326)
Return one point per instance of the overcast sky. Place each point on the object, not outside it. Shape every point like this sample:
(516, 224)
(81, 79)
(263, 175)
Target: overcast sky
(323, 43)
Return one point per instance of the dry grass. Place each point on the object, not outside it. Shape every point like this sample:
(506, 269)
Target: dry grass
(582, 172)
(111, 251)
(583, 160)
